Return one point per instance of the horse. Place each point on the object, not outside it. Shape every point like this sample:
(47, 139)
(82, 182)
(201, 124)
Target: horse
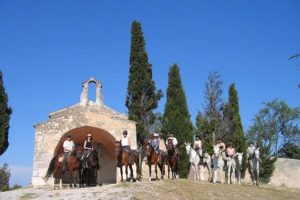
(156, 159)
(73, 166)
(171, 159)
(127, 158)
(238, 160)
(207, 164)
(254, 166)
(218, 163)
(91, 164)
(194, 160)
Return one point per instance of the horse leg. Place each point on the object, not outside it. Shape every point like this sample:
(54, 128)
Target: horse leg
(121, 172)
(168, 171)
(257, 177)
(131, 173)
(156, 171)
(126, 172)
(233, 174)
(149, 164)
(228, 173)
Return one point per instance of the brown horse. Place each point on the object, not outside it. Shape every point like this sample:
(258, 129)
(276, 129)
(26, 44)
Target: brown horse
(127, 158)
(156, 159)
(72, 166)
(90, 166)
(171, 159)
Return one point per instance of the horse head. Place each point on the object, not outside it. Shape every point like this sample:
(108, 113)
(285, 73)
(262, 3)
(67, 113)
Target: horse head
(118, 148)
(256, 153)
(216, 150)
(148, 148)
(78, 151)
(239, 157)
(188, 147)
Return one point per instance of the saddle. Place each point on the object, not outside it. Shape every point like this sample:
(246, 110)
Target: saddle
(127, 149)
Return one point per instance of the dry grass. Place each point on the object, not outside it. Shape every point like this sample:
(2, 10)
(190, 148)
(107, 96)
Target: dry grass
(185, 189)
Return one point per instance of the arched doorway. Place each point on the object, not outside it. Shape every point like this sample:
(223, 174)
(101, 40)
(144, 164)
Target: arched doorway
(107, 172)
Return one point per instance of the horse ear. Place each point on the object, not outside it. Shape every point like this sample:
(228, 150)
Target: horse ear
(242, 153)
(258, 148)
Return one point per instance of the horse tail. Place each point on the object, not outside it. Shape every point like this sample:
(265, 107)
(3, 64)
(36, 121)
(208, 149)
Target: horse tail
(50, 169)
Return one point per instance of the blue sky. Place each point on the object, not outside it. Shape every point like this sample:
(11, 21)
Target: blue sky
(48, 48)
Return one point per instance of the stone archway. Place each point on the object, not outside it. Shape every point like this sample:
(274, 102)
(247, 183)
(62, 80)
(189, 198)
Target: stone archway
(107, 173)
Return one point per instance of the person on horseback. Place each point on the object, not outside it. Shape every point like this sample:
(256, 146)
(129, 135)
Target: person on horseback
(155, 142)
(87, 146)
(250, 150)
(68, 148)
(221, 144)
(172, 139)
(230, 151)
(125, 141)
(198, 146)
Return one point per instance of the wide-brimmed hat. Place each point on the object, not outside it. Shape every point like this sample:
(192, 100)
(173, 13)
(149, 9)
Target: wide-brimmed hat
(155, 134)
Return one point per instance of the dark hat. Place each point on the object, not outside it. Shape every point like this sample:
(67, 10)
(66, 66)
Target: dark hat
(250, 142)
(68, 135)
(125, 132)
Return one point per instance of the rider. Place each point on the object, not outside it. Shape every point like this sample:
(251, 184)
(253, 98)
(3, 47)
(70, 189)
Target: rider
(125, 141)
(172, 139)
(250, 149)
(88, 146)
(230, 151)
(221, 144)
(155, 142)
(198, 145)
(68, 148)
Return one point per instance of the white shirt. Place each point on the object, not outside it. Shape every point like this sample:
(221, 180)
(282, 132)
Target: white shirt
(174, 140)
(68, 146)
(125, 141)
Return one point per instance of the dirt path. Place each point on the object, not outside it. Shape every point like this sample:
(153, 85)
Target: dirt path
(156, 190)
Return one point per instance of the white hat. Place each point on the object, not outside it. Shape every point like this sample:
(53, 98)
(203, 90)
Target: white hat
(155, 134)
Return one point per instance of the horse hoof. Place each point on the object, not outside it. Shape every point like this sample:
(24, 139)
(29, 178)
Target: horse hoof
(149, 178)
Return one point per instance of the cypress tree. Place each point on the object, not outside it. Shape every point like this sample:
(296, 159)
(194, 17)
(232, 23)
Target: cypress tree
(204, 130)
(235, 133)
(142, 97)
(5, 112)
(176, 118)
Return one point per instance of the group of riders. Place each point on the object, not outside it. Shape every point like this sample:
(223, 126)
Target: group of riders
(227, 150)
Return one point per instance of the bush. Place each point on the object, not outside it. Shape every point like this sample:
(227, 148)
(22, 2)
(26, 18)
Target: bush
(4, 177)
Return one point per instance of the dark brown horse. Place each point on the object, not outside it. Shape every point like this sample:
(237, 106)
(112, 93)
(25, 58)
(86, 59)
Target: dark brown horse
(127, 158)
(73, 166)
(156, 159)
(171, 159)
(90, 166)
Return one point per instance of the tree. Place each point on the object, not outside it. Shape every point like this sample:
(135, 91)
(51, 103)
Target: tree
(293, 57)
(4, 177)
(5, 112)
(289, 150)
(235, 134)
(274, 126)
(214, 104)
(142, 97)
(176, 117)
(204, 130)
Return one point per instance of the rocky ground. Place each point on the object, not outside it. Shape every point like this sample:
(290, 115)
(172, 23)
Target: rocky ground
(156, 190)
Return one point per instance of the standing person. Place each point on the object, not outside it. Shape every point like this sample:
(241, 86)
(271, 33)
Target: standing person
(125, 141)
(87, 146)
(198, 146)
(68, 148)
(155, 143)
(230, 151)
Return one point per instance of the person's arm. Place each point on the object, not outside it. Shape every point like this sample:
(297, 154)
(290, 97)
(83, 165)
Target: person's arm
(129, 142)
(84, 145)
(73, 146)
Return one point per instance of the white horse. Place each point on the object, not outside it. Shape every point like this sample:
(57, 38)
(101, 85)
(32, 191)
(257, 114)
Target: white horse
(239, 160)
(234, 164)
(254, 166)
(207, 164)
(218, 162)
(194, 160)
